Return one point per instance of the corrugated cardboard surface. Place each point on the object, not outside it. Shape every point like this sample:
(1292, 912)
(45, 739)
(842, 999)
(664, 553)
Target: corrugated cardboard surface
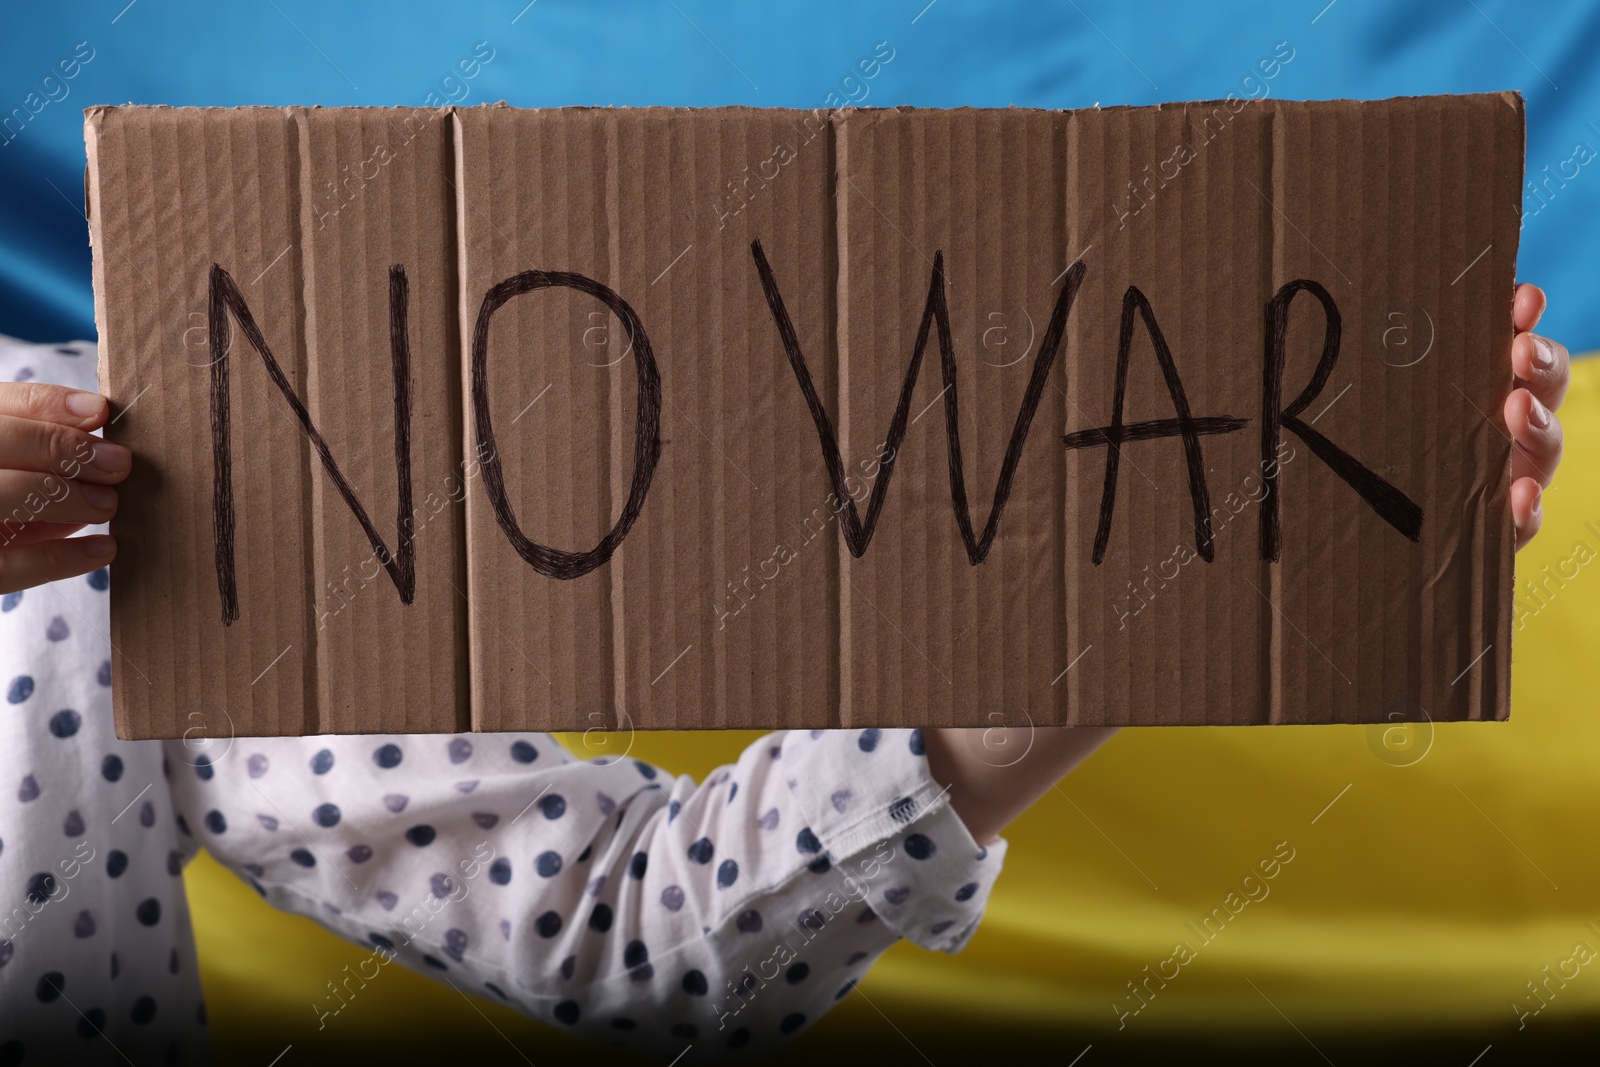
(644, 360)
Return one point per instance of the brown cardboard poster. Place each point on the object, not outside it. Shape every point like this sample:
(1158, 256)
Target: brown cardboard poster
(505, 419)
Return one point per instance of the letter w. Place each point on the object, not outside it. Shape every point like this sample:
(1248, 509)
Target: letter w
(225, 298)
(858, 533)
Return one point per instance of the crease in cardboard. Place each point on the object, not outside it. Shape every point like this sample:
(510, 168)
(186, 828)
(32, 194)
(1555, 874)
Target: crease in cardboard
(838, 160)
(1271, 701)
(312, 517)
(616, 452)
(466, 712)
(466, 442)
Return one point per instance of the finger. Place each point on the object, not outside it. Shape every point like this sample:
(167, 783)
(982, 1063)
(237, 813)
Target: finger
(1538, 437)
(28, 497)
(51, 561)
(1543, 366)
(53, 403)
(1527, 509)
(31, 533)
(50, 448)
(1527, 305)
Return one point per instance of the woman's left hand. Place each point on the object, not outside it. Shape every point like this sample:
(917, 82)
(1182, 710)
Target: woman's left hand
(1542, 373)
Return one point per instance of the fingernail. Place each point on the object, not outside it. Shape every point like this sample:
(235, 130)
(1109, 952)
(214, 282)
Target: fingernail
(96, 547)
(99, 497)
(1537, 414)
(1543, 357)
(85, 405)
(110, 458)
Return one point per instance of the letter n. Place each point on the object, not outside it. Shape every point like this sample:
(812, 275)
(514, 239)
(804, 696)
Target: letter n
(226, 298)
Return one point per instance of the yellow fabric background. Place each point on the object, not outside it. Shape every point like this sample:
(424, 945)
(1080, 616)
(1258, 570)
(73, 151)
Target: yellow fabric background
(1421, 902)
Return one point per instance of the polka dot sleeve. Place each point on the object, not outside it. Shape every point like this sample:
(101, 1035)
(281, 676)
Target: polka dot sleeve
(709, 919)
(869, 799)
(97, 956)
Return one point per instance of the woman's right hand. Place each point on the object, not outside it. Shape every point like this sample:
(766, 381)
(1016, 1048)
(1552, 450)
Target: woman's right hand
(56, 477)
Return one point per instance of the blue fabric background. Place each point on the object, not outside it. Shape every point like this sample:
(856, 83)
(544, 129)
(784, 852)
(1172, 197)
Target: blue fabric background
(789, 54)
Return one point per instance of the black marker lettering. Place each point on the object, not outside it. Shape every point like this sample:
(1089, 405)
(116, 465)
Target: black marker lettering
(1397, 509)
(858, 533)
(225, 298)
(554, 562)
(1184, 426)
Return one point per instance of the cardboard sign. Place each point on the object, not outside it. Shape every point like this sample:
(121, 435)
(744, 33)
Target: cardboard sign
(503, 419)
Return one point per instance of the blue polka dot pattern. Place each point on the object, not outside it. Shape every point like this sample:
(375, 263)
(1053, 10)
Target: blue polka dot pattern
(41, 887)
(50, 986)
(614, 866)
(605, 860)
(727, 874)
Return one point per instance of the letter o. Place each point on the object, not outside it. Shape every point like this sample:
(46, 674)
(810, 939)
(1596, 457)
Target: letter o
(554, 562)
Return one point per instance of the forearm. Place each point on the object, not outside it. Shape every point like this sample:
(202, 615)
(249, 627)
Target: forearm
(736, 911)
(996, 774)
